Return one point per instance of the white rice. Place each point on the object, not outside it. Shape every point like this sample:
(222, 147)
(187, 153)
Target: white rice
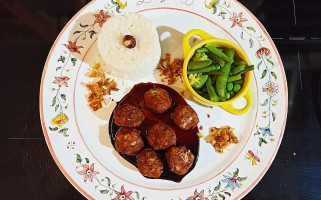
(123, 62)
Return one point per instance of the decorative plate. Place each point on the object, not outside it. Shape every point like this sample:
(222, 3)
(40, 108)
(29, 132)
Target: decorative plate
(78, 137)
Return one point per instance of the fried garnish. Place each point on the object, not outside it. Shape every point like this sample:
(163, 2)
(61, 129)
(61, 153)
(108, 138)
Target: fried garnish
(94, 72)
(221, 138)
(170, 70)
(97, 90)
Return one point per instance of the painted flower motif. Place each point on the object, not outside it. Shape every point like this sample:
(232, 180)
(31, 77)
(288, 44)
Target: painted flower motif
(271, 88)
(262, 51)
(101, 18)
(123, 195)
(237, 19)
(121, 5)
(60, 119)
(61, 81)
(72, 47)
(197, 196)
(232, 182)
(88, 173)
(209, 6)
(266, 131)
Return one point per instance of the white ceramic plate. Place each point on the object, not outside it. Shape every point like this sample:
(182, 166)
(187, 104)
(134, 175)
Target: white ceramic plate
(78, 138)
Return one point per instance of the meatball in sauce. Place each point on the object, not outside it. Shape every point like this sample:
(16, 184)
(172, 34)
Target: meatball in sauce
(128, 141)
(185, 117)
(161, 136)
(128, 116)
(150, 164)
(157, 100)
(179, 159)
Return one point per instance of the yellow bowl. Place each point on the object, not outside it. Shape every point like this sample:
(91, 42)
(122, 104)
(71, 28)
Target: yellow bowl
(207, 40)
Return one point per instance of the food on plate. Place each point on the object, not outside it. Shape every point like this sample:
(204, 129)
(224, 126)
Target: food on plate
(128, 116)
(149, 163)
(216, 73)
(179, 159)
(128, 141)
(98, 89)
(157, 100)
(129, 46)
(161, 136)
(158, 132)
(185, 117)
(221, 138)
(171, 71)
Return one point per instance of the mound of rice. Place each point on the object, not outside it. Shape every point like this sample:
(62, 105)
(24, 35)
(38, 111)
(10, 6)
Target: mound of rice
(123, 62)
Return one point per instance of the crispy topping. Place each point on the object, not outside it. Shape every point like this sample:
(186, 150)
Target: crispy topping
(170, 70)
(97, 90)
(221, 138)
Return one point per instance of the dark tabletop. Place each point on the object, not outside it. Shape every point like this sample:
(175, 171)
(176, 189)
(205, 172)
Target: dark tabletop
(27, 31)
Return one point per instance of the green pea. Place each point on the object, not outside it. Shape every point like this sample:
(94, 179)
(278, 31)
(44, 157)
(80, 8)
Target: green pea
(232, 93)
(229, 87)
(227, 96)
(237, 87)
(217, 67)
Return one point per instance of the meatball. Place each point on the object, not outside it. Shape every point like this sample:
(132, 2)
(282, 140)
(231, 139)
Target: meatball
(128, 116)
(150, 164)
(161, 136)
(185, 117)
(157, 100)
(179, 159)
(128, 141)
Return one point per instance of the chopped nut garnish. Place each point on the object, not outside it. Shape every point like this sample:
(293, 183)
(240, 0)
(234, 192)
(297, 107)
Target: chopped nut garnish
(201, 127)
(98, 90)
(208, 115)
(129, 41)
(221, 138)
(200, 135)
(170, 70)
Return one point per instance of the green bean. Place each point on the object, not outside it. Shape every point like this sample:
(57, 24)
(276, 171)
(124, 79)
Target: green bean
(221, 81)
(204, 90)
(216, 73)
(202, 50)
(213, 79)
(211, 91)
(220, 54)
(193, 65)
(232, 93)
(238, 82)
(234, 78)
(237, 87)
(247, 69)
(217, 59)
(238, 69)
(229, 87)
(239, 62)
(227, 96)
(202, 70)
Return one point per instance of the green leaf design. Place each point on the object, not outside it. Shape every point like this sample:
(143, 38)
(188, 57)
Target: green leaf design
(259, 64)
(73, 60)
(58, 68)
(78, 159)
(274, 75)
(216, 2)
(270, 61)
(257, 133)
(92, 33)
(137, 193)
(240, 179)
(64, 132)
(104, 191)
(54, 100)
(273, 116)
(218, 186)
(83, 26)
(266, 101)
(114, 2)
(118, 8)
(261, 140)
(76, 32)
(222, 196)
(108, 181)
(63, 96)
(227, 193)
(264, 73)
(214, 9)
(53, 129)
(251, 29)
(57, 106)
(251, 42)
(61, 59)
(242, 35)
(222, 14)
(87, 160)
(236, 173)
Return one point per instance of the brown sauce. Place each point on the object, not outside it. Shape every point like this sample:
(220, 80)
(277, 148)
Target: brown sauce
(188, 138)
